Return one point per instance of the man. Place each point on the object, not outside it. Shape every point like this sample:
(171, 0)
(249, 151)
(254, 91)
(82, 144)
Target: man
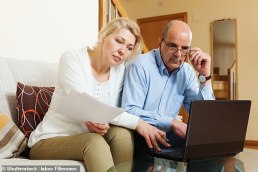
(159, 82)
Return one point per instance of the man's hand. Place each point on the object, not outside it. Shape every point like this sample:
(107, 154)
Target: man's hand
(200, 61)
(97, 127)
(179, 128)
(151, 135)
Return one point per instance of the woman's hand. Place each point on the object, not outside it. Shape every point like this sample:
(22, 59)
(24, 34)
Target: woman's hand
(97, 127)
(152, 135)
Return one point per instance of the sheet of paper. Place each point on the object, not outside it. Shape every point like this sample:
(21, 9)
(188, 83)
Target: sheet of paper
(81, 107)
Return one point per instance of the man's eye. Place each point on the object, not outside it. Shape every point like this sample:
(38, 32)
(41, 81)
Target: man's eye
(172, 46)
(185, 48)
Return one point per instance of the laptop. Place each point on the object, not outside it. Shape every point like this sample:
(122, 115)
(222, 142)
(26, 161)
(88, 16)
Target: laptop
(216, 128)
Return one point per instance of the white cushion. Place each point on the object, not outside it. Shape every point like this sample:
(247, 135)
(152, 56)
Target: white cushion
(29, 72)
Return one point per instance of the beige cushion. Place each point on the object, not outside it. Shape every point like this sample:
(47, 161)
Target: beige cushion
(12, 140)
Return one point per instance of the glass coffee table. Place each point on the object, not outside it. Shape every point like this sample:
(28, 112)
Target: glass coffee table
(246, 161)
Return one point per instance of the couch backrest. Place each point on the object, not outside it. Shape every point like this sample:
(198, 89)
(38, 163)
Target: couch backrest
(29, 72)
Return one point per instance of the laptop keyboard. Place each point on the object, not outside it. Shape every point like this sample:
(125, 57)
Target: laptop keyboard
(176, 152)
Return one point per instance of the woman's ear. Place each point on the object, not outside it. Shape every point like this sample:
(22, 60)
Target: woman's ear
(102, 42)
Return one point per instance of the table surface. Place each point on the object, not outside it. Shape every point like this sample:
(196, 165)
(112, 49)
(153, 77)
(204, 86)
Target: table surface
(246, 161)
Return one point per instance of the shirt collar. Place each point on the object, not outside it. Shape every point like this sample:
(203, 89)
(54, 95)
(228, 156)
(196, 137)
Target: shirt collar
(161, 66)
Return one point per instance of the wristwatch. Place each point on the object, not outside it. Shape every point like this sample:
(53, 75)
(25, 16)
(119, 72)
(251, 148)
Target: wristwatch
(203, 78)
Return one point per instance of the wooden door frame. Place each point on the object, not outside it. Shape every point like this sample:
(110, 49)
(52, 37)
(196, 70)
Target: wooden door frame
(158, 18)
(163, 17)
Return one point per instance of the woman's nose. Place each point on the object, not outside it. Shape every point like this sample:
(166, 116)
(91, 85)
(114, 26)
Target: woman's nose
(122, 50)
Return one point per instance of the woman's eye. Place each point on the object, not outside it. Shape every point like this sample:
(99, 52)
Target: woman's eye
(130, 48)
(119, 41)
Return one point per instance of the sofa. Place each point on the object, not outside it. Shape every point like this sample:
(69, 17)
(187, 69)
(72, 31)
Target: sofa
(29, 72)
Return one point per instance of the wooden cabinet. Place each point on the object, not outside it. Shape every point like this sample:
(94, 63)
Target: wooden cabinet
(184, 114)
(220, 89)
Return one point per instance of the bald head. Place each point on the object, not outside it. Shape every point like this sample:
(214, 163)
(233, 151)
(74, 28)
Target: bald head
(176, 40)
(176, 27)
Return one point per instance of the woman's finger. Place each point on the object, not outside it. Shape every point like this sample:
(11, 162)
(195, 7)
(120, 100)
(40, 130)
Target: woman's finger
(102, 126)
(89, 126)
(154, 143)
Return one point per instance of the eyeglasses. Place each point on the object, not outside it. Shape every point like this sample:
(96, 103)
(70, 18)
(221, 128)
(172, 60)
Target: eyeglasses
(173, 48)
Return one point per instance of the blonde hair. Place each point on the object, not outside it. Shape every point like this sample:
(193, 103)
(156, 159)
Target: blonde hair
(122, 23)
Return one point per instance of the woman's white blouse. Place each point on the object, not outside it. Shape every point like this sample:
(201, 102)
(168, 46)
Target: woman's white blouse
(74, 73)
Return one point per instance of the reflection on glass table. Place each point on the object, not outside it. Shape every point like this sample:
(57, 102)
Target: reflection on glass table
(246, 161)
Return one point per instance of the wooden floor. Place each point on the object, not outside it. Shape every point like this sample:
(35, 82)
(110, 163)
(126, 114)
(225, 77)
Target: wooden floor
(252, 147)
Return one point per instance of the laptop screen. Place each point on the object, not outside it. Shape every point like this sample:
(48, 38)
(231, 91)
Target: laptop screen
(216, 127)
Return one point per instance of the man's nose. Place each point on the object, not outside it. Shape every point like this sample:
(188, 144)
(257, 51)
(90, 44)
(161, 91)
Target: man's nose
(178, 52)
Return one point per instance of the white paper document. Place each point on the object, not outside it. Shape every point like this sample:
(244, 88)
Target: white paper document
(81, 107)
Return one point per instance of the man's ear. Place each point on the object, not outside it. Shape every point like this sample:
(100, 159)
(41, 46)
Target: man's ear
(159, 42)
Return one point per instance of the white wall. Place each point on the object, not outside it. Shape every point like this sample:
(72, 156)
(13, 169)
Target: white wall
(44, 29)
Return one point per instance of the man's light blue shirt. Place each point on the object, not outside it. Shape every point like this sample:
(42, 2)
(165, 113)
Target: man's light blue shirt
(156, 96)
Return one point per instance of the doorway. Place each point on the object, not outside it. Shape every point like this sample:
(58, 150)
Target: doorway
(151, 27)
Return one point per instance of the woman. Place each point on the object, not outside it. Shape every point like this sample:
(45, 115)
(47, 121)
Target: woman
(99, 72)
